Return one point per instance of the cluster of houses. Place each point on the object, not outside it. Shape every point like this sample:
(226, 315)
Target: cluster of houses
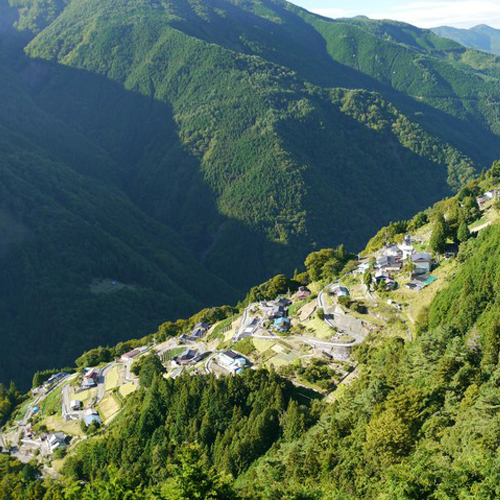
(277, 312)
(486, 197)
(391, 260)
(46, 443)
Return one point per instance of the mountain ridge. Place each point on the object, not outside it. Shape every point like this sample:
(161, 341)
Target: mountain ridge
(480, 37)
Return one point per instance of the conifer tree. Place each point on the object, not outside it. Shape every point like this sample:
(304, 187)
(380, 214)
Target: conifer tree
(463, 232)
(439, 235)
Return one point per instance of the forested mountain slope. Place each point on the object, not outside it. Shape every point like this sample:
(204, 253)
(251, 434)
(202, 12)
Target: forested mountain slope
(186, 149)
(247, 80)
(481, 37)
(65, 233)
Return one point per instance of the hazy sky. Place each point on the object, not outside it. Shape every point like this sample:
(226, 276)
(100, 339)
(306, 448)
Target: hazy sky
(423, 13)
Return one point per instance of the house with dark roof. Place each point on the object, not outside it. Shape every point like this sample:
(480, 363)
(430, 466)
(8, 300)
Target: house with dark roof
(391, 251)
(251, 327)
(283, 302)
(202, 326)
(387, 263)
(277, 311)
(340, 291)
(199, 330)
(422, 263)
(186, 358)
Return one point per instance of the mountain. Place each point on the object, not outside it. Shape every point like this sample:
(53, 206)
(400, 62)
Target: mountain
(249, 85)
(481, 37)
(415, 415)
(187, 150)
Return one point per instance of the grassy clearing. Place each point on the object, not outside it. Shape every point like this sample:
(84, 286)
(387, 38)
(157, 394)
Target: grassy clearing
(21, 411)
(58, 464)
(174, 352)
(245, 346)
(262, 345)
(295, 307)
(229, 335)
(127, 389)
(113, 377)
(108, 407)
(85, 396)
(320, 329)
(308, 310)
(52, 403)
(220, 329)
(488, 218)
(358, 293)
(278, 361)
(55, 423)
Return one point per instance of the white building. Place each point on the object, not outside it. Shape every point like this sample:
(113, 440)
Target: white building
(406, 247)
(232, 361)
(391, 251)
(76, 405)
(56, 441)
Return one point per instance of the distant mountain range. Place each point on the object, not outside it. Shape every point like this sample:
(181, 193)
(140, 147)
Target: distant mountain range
(480, 37)
(187, 150)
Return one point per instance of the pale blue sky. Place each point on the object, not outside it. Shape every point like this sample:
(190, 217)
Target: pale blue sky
(423, 13)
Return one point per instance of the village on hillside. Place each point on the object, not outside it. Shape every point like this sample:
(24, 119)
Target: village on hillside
(306, 336)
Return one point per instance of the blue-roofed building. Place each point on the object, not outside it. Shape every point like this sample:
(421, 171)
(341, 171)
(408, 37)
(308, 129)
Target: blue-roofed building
(90, 416)
(233, 361)
(91, 419)
(282, 324)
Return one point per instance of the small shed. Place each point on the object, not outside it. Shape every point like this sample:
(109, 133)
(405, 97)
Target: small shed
(340, 291)
(76, 405)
